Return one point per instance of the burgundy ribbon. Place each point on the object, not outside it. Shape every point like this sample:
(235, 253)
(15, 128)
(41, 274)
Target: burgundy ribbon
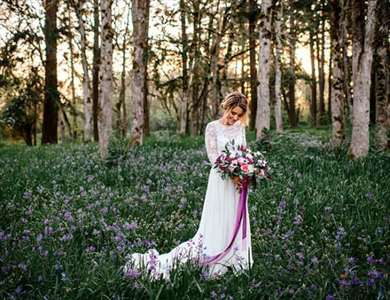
(241, 216)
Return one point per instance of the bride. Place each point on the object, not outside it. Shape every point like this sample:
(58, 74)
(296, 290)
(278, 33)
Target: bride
(219, 243)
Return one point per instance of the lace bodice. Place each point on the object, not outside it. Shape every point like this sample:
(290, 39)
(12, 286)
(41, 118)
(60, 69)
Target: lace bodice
(217, 135)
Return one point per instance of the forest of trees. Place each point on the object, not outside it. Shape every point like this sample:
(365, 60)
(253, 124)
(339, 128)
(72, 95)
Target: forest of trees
(87, 69)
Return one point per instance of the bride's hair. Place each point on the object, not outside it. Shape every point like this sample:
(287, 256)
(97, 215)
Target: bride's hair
(233, 100)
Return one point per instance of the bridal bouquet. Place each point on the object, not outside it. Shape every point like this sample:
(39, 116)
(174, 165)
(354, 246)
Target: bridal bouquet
(240, 161)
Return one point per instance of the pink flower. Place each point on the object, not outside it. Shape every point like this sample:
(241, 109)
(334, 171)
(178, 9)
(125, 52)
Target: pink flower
(245, 168)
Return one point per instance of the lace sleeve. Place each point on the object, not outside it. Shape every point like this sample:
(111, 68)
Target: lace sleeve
(243, 136)
(211, 142)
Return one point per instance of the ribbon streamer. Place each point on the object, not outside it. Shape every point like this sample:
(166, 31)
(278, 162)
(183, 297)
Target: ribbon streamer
(241, 216)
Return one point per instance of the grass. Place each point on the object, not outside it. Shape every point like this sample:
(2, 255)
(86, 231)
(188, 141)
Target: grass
(319, 228)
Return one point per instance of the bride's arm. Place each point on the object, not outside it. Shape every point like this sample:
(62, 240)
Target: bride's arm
(211, 142)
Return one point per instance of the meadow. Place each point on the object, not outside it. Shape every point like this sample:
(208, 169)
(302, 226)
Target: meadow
(320, 227)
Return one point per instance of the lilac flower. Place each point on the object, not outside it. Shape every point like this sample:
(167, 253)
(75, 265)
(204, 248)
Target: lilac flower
(352, 260)
(66, 237)
(370, 195)
(213, 295)
(374, 274)
(370, 282)
(132, 273)
(131, 226)
(2, 236)
(355, 281)
(371, 260)
(48, 230)
(68, 216)
(314, 260)
(282, 205)
(340, 234)
(330, 297)
(344, 282)
(90, 249)
(298, 220)
(39, 237)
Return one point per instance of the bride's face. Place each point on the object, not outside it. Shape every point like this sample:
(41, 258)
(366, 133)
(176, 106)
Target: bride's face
(233, 115)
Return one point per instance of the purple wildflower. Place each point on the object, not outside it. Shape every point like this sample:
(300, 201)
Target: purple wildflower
(344, 282)
(374, 274)
(330, 297)
(68, 216)
(132, 273)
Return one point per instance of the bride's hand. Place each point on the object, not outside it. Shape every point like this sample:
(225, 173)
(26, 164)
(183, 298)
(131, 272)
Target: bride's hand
(237, 182)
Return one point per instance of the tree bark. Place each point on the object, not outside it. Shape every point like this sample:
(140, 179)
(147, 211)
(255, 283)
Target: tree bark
(87, 101)
(139, 86)
(292, 111)
(382, 87)
(252, 62)
(278, 72)
(50, 109)
(105, 82)
(95, 71)
(362, 49)
(337, 95)
(263, 90)
(313, 83)
(72, 75)
(345, 21)
(184, 59)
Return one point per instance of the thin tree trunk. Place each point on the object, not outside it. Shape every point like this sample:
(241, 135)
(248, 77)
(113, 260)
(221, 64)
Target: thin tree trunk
(196, 70)
(223, 83)
(140, 18)
(337, 95)
(278, 72)
(72, 72)
(382, 87)
(50, 109)
(95, 71)
(330, 71)
(322, 61)
(313, 83)
(252, 62)
(88, 117)
(263, 90)
(362, 48)
(292, 111)
(320, 80)
(122, 121)
(184, 58)
(346, 60)
(105, 93)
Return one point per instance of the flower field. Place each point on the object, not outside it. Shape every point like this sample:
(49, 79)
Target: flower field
(320, 227)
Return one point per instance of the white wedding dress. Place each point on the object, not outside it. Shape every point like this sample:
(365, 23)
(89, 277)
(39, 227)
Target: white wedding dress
(217, 223)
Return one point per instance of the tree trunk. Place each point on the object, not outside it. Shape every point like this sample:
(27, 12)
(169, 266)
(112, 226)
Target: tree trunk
(321, 78)
(122, 121)
(105, 93)
(292, 112)
(252, 62)
(363, 36)
(313, 83)
(263, 90)
(382, 87)
(139, 86)
(196, 71)
(88, 117)
(278, 72)
(184, 60)
(337, 95)
(72, 75)
(345, 21)
(50, 109)
(96, 67)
